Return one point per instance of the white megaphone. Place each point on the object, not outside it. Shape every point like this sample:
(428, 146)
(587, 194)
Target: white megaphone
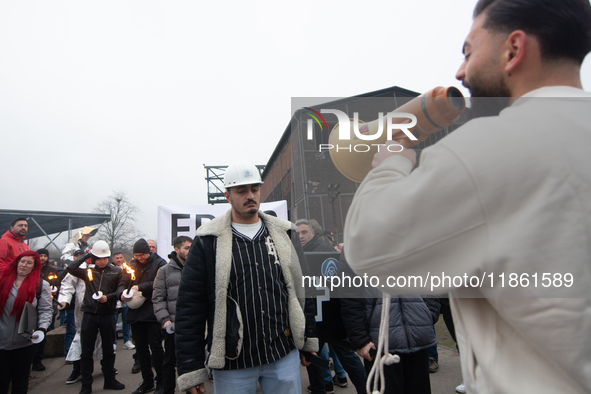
(438, 108)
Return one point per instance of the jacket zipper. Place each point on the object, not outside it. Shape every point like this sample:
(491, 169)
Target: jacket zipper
(99, 289)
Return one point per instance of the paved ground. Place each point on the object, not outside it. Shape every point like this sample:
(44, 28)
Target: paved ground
(53, 379)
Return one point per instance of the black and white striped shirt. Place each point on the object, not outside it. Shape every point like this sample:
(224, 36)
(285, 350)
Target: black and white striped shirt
(257, 285)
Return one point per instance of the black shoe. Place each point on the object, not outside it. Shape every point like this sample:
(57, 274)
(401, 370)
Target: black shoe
(433, 365)
(328, 387)
(39, 367)
(159, 389)
(113, 384)
(136, 367)
(86, 389)
(74, 377)
(145, 387)
(341, 382)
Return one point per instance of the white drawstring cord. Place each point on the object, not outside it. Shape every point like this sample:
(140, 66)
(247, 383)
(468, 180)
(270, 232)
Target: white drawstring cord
(387, 358)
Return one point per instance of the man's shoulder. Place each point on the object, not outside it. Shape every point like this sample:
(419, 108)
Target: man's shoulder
(216, 226)
(5, 237)
(277, 223)
(113, 268)
(158, 261)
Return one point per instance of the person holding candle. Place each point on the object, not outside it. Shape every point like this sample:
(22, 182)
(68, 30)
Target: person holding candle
(103, 288)
(20, 283)
(144, 325)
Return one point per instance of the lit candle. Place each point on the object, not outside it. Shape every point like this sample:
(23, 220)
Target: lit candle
(97, 294)
(51, 279)
(127, 293)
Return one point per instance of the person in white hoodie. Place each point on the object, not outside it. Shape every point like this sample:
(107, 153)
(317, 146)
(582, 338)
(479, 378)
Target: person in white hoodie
(501, 195)
(72, 291)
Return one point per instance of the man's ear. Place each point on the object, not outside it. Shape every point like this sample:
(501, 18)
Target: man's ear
(227, 195)
(516, 46)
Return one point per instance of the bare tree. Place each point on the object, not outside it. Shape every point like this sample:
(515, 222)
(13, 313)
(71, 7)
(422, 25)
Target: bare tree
(120, 232)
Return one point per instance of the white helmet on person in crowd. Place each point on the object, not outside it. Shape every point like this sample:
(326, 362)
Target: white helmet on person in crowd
(100, 249)
(241, 173)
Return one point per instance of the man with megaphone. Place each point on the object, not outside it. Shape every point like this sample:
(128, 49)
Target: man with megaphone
(502, 201)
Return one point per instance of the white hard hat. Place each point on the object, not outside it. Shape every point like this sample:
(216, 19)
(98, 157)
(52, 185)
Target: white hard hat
(241, 173)
(136, 301)
(100, 249)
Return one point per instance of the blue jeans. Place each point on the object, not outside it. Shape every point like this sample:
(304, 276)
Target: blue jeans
(433, 350)
(62, 317)
(70, 330)
(338, 368)
(352, 365)
(282, 376)
(125, 326)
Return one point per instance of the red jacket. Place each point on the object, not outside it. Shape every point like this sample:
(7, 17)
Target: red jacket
(11, 245)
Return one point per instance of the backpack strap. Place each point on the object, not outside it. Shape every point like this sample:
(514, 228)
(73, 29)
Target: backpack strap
(39, 289)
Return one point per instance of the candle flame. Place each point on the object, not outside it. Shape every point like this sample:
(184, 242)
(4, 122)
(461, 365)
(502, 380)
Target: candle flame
(89, 274)
(50, 277)
(129, 270)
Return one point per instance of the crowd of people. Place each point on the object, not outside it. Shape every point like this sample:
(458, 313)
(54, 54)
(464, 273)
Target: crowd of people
(231, 304)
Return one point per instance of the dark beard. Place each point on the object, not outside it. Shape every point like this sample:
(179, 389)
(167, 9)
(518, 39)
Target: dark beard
(487, 100)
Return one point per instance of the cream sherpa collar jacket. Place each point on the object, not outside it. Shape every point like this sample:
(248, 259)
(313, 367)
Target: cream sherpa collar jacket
(204, 288)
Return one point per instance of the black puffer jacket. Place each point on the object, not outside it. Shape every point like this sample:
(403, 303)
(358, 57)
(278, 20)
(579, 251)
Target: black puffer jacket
(316, 244)
(144, 279)
(411, 318)
(166, 289)
(109, 280)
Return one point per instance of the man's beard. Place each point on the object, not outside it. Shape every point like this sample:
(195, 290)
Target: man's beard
(487, 99)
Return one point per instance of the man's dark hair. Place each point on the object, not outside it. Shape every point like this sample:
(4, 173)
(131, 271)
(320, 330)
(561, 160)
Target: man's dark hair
(180, 240)
(562, 27)
(116, 253)
(17, 220)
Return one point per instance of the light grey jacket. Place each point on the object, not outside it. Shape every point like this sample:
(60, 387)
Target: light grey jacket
(9, 337)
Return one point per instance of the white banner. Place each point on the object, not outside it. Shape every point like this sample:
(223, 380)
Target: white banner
(174, 221)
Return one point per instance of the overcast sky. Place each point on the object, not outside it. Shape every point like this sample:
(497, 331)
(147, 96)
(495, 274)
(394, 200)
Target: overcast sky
(97, 96)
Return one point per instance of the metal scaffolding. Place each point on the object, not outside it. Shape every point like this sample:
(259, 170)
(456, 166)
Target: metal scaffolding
(215, 183)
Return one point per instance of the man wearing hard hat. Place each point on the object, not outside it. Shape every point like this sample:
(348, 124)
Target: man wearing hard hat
(243, 277)
(78, 241)
(103, 288)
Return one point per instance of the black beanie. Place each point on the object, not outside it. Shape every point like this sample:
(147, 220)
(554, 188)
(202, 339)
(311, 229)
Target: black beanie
(141, 246)
(43, 251)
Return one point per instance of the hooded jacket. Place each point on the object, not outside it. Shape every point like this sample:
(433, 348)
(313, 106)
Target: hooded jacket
(144, 279)
(11, 245)
(410, 324)
(166, 289)
(203, 295)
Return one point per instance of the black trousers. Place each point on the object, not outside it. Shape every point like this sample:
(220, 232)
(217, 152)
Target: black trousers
(15, 366)
(409, 376)
(148, 337)
(91, 326)
(169, 365)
